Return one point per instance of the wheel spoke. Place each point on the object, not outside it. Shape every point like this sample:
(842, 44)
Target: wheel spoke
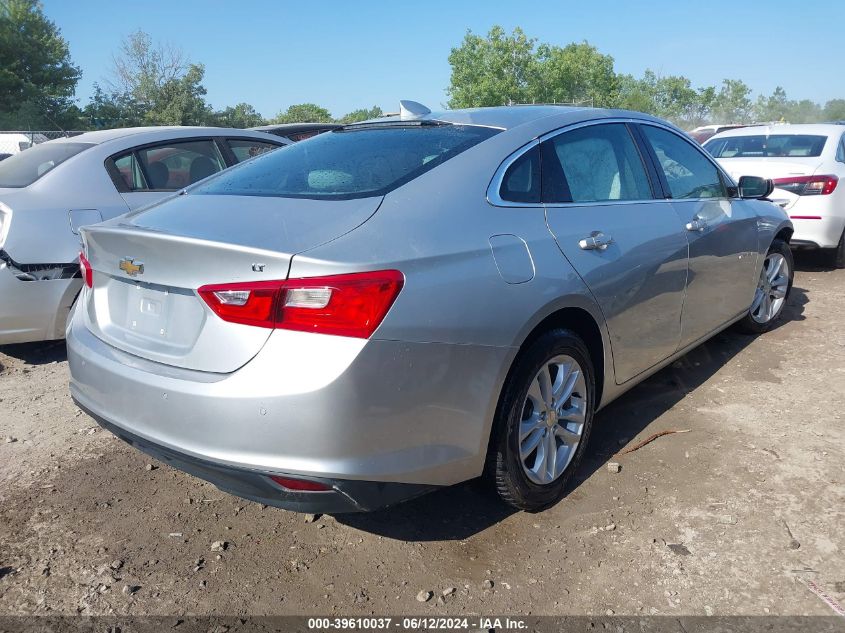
(533, 440)
(551, 460)
(575, 412)
(539, 468)
(526, 426)
(775, 264)
(778, 293)
(570, 438)
(566, 387)
(546, 386)
(758, 299)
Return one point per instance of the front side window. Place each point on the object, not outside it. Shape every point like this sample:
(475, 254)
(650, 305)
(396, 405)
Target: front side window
(689, 173)
(762, 146)
(244, 149)
(521, 182)
(354, 162)
(597, 163)
(23, 169)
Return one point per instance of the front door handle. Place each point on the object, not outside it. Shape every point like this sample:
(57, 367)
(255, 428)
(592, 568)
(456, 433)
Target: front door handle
(596, 241)
(696, 224)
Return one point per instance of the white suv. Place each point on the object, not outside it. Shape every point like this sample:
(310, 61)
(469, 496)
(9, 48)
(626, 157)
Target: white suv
(806, 163)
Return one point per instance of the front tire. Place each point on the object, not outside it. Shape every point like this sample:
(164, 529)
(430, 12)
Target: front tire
(544, 421)
(772, 290)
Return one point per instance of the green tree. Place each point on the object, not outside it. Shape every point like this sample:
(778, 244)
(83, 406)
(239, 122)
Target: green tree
(493, 70)
(834, 110)
(110, 110)
(37, 77)
(576, 73)
(242, 115)
(775, 107)
(181, 101)
(733, 102)
(634, 94)
(303, 113)
(362, 114)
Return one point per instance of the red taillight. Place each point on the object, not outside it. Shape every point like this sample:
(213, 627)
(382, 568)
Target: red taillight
(343, 305)
(808, 185)
(302, 485)
(85, 269)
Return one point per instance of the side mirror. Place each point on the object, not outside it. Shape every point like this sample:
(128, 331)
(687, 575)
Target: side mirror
(755, 187)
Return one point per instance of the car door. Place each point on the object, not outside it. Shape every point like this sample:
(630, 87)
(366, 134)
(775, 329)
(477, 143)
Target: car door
(722, 232)
(628, 246)
(149, 173)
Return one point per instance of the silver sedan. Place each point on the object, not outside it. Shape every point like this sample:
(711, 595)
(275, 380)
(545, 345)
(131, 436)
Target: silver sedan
(415, 301)
(49, 191)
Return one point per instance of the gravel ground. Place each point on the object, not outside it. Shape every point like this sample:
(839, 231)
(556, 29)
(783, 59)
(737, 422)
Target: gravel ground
(731, 518)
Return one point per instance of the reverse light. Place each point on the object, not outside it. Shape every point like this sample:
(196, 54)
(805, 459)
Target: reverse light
(300, 485)
(86, 270)
(808, 185)
(343, 305)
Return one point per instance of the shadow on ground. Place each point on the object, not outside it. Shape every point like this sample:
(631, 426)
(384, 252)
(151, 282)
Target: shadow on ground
(459, 512)
(41, 353)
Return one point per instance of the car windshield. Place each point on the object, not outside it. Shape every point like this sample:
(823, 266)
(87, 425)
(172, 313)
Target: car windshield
(760, 146)
(355, 162)
(21, 170)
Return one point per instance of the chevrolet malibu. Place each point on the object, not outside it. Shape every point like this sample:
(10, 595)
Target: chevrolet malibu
(407, 303)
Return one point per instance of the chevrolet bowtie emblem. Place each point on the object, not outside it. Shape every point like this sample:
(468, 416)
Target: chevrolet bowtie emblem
(128, 265)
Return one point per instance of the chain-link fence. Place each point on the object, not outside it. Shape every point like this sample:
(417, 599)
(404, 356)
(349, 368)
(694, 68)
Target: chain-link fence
(14, 141)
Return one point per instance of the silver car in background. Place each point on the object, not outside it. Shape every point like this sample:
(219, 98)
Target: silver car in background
(52, 189)
(411, 302)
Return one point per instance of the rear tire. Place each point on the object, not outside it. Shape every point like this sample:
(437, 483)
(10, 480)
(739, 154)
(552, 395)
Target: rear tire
(836, 256)
(543, 422)
(772, 290)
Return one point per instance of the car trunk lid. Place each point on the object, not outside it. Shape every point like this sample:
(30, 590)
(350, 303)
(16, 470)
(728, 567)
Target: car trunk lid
(772, 168)
(148, 266)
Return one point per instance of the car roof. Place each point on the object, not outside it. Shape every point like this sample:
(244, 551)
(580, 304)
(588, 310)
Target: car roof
(154, 133)
(509, 117)
(292, 128)
(821, 129)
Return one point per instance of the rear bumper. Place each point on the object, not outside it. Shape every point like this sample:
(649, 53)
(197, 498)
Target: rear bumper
(344, 496)
(811, 233)
(347, 411)
(34, 310)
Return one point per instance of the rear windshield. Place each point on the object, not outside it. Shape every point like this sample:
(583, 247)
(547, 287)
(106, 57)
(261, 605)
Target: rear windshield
(21, 170)
(348, 163)
(758, 146)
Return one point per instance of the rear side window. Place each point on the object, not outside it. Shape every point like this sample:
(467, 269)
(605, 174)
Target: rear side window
(521, 182)
(169, 166)
(596, 163)
(354, 162)
(840, 151)
(21, 170)
(244, 149)
(762, 146)
(688, 171)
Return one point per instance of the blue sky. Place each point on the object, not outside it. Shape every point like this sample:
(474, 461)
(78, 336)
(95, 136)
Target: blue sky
(273, 54)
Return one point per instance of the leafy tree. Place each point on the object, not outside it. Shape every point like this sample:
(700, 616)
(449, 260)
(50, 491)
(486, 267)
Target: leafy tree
(141, 69)
(494, 70)
(303, 113)
(37, 77)
(804, 111)
(111, 110)
(775, 107)
(181, 101)
(242, 115)
(733, 103)
(834, 110)
(634, 94)
(362, 114)
(576, 73)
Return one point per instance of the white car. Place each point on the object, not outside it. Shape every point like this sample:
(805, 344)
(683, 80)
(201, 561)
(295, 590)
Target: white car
(806, 163)
(12, 143)
(52, 189)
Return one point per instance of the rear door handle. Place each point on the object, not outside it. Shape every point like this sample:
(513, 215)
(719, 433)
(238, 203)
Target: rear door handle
(596, 241)
(696, 224)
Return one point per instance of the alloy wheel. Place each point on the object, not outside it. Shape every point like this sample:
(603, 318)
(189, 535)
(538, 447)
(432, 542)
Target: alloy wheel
(553, 418)
(771, 288)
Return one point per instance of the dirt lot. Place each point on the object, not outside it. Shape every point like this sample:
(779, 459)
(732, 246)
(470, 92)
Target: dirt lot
(729, 518)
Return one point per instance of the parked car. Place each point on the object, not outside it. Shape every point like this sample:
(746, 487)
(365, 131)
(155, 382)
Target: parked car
(705, 132)
(4, 156)
(402, 305)
(297, 131)
(49, 191)
(806, 162)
